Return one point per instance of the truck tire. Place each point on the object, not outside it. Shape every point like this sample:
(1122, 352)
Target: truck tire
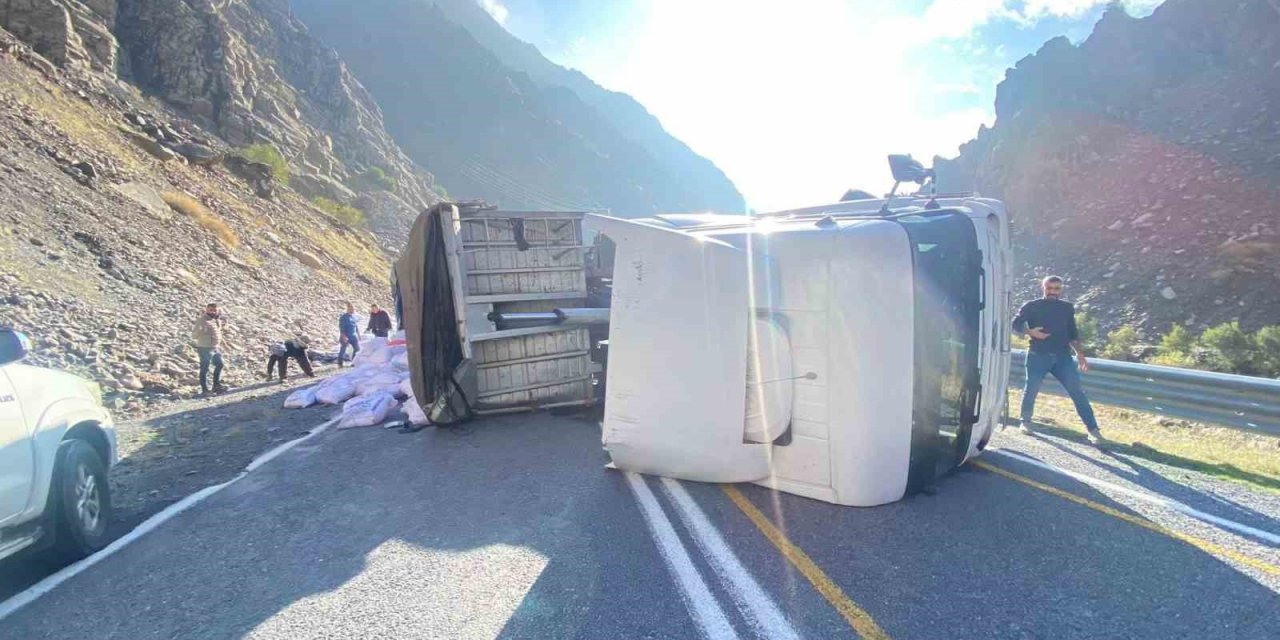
(82, 501)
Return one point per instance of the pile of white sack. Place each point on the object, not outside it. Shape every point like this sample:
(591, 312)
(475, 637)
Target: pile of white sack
(376, 384)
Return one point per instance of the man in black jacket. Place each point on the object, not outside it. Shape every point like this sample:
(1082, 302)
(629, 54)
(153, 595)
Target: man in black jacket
(379, 322)
(1050, 323)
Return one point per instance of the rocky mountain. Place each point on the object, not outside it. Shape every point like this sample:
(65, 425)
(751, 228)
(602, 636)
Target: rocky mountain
(122, 214)
(1142, 164)
(250, 72)
(495, 119)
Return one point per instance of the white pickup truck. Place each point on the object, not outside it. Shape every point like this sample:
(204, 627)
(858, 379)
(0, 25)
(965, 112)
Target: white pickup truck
(57, 443)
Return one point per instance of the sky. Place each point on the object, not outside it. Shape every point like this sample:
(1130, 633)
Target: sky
(798, 101)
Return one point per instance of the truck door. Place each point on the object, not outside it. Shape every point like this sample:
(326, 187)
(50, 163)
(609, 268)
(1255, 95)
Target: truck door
(17, 462)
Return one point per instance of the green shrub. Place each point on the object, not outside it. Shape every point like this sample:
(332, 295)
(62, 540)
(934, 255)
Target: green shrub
(345, 213)
(1087, 328)
(375, 179)
(1173, 359)
(268, 155)
(441, 191)
(1120, 343)
(1228, 349)
(1178, 342)
(1268, 341)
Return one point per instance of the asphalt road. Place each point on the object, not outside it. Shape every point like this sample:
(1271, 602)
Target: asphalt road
(514, 529)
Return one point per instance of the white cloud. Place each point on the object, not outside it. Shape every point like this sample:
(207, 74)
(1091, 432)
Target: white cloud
(496, 9)
(1036, 9)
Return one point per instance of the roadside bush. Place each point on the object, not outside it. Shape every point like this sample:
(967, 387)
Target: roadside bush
(1179, 360)
(1120, 343)
(1268, 341)
(185, 204)
(1228, 349)
(1088, 329)
(345, 213)
(268, 155)
(441, 191)
(1178, 342)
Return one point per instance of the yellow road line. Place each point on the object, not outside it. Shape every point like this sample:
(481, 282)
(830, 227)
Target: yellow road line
(853, 614)
(1203, 545)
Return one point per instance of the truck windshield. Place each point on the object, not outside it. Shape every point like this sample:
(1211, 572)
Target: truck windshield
(947, 270)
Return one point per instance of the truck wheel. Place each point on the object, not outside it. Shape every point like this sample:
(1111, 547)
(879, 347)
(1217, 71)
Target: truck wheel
(83, 501)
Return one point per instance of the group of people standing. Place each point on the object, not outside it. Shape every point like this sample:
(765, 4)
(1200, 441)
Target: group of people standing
(209, 330)
(348, 329)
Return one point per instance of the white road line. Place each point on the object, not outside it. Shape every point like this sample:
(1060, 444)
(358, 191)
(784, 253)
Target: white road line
(1155, 499)
(30, 594)
(702, 605)
(756, 605)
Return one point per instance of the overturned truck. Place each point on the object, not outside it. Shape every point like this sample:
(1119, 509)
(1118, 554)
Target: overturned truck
(851, 353)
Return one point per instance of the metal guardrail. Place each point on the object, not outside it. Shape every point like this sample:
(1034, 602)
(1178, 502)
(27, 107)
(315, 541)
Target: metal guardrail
(1242, 402)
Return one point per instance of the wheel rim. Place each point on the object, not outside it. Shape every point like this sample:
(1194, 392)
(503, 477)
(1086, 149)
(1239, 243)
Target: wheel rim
(88, 499)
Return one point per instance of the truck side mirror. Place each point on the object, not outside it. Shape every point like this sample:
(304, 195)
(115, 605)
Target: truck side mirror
(908, 169)
(13, 346)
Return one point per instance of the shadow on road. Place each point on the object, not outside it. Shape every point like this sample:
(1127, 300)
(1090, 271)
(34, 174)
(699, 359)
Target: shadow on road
(514, 530)
(1147, 452)
(193, 445)
(1161, 485)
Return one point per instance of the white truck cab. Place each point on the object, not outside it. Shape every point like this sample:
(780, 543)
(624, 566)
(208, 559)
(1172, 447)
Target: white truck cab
(852, 353)
(57, 443)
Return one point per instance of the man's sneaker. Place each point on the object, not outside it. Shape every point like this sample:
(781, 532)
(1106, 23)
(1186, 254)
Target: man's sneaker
(1025, 428)
(220, 388)
(1095, 438)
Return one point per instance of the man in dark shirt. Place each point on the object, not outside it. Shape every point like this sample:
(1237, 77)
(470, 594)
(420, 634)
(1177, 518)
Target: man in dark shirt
(379, 322)
(1050, 323)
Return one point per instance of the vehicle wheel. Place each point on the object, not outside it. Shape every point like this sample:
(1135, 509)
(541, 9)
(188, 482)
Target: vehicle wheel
(82, 504)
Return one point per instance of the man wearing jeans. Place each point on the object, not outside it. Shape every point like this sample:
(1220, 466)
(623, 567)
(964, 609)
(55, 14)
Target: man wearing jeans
(1050, 323)
(348, 334)
(207, 334)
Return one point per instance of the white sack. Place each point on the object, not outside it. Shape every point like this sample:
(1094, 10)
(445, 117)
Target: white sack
(301, 399)
(385, 381)
(335, 391)
(415, 412)
(374, 351)
(400, 360)
(367, 410)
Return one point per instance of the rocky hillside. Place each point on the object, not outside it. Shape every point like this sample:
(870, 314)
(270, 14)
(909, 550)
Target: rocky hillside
(120, 218)
(251, 74)
(494, 119)
(1142, 164)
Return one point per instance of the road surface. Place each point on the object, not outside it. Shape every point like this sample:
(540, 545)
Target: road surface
(513, 528)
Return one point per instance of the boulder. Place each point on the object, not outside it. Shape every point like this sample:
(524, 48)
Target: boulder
(305, 257)
(197, 154)
(257, 174)
(147, 197)
(149, 145)
(314, 186)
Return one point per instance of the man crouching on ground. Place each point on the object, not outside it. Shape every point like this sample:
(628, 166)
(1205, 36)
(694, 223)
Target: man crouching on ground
(1050, 323)
(207, 334)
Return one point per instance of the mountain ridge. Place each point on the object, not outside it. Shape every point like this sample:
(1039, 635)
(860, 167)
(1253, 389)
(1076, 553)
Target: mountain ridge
(562, 148)
(1140, 164)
